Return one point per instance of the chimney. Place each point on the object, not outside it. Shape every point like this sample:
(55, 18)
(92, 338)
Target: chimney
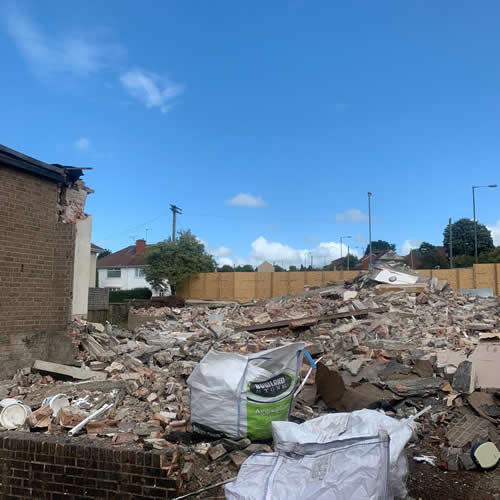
(140, 246)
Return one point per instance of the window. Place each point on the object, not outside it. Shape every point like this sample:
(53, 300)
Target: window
(115, 273)
(139, 272)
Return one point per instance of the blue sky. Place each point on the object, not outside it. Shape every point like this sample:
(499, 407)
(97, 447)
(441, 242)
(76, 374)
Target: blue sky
(267, 122)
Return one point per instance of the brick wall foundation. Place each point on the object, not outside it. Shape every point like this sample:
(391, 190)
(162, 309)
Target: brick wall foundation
(36, 466)
(36, 272)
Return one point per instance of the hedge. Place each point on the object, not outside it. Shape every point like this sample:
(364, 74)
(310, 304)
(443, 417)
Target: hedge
(125, 295)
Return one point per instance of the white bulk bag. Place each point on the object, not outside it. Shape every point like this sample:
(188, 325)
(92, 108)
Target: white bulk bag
(238, 396)
(340, 456)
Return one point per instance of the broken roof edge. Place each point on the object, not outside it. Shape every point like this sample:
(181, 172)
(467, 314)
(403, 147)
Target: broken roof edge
(55, 172)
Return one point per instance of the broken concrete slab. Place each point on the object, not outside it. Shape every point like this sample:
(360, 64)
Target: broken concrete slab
(416, 387)
(468, 430)
(216, 451)
(68, 371)
(464, 380)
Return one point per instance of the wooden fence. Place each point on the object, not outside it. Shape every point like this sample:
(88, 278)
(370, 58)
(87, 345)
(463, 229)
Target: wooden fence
(244, 287)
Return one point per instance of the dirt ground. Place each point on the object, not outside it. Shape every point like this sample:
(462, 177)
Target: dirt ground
(432, 483)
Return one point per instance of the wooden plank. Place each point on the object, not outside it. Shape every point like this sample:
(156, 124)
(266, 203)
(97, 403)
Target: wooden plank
(69, 371)
(287, 322)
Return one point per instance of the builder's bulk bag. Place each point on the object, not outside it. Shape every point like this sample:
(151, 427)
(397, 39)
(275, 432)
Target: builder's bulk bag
(238, 396)
(342, 456)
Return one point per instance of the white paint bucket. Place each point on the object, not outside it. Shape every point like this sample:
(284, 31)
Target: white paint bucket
(56, 402)
(14, 415)
(9, 401)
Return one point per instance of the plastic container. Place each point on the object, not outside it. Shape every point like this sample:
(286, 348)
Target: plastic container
(14, 415)
(9, 401)
(56, 402)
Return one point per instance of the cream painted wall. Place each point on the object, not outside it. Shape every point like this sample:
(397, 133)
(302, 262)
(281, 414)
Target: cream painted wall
(81, 269)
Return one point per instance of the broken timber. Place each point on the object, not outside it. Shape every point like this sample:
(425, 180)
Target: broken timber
(309, 321)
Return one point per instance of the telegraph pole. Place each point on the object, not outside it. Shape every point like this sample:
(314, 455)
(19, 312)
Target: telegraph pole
(175, 210)
(370, 225)
(451, 242)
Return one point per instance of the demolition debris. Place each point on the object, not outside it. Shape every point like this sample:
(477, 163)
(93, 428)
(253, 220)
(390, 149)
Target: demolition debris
(396, 346)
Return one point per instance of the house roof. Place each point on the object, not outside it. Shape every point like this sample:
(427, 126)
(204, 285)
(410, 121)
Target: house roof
(54, 172)
(126, 257)
(96, 248)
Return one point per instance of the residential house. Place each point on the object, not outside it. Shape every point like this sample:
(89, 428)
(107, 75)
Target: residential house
(124, 269)
(265, 267)
(94, 250)
(45, 259)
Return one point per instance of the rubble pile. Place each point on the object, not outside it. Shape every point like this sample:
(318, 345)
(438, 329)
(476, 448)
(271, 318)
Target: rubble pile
(398, 348)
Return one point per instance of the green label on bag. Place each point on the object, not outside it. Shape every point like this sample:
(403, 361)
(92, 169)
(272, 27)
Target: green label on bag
(260, 416)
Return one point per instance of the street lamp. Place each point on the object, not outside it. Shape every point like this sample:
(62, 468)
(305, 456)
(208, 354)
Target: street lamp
(370, 225)
(474, 212)
(347, 250)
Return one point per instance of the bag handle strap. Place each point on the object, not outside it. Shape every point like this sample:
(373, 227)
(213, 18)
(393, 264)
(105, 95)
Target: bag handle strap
(309, 358)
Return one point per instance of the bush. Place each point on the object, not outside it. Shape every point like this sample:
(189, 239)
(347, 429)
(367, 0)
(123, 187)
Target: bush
(125, 295)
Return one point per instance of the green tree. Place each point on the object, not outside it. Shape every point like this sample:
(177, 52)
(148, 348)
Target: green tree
(226, 268)
(104, 253)
(176, 260)
(380, 246)
(430, 258)
(247, 268)
(492, 257)
(463, 261)
(353, 260)
(293, 268)
(278, 269)
(463, 237)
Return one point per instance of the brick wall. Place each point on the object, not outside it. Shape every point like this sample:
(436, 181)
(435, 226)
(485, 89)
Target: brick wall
(36, 268)
(98, 298)
(47, 467)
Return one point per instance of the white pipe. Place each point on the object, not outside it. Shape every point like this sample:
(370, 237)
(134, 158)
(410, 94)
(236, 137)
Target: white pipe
(83, 423)
(306, 377)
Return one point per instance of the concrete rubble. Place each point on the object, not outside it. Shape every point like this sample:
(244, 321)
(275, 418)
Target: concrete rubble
(419, 350)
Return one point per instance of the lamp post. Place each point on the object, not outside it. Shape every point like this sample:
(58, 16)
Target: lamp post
(347, 249)
(474, 213)
(370, 226)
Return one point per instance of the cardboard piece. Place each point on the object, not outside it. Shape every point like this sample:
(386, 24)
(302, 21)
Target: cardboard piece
(486, 360)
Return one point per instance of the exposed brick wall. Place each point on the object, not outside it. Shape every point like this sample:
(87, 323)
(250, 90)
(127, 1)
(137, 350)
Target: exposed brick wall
(36, 272)
(98, 298)
(47, 467)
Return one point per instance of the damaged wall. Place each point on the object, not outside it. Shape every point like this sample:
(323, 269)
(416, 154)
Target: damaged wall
(36, 269)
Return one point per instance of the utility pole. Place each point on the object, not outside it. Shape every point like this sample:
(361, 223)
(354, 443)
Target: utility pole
(342, 237)
(147, 229)
(348, 257)
(175, 210)
(450, 231)
(474, 213)
(370, 226)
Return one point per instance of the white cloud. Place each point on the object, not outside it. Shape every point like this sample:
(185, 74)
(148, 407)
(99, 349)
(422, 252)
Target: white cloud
(352, 215)
(49, 55)
(246, 200)
(495, 233)
(409, 245)
(82, 144)
(225, 261)
(151, 89)
(285, 255)
(220, 251)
